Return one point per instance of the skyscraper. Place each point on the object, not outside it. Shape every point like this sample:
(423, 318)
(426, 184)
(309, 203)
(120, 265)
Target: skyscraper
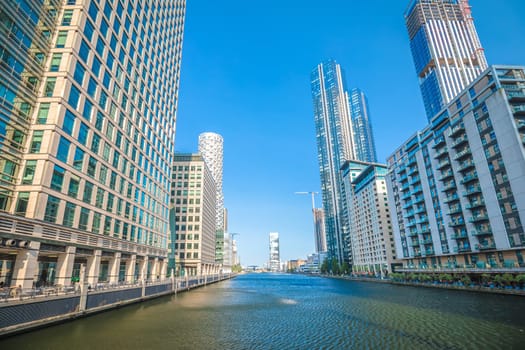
(319, 230)
(365, 148)
(275, 258)
(334, 145)
(211, 147)
(446, 49)
(89, 100)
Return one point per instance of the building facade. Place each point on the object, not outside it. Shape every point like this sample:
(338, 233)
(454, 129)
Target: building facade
(89, 100)
(193, 201)
(365, 148)
(446, 49)
(458, 186)
(371, 233)
(274, 262)
(335, 144)
(319, 229)
(211, 147)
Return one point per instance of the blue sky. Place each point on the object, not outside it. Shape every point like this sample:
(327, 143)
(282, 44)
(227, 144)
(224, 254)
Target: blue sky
(245, 75)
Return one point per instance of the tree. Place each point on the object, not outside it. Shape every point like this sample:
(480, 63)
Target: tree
(507, 279)
(324, 266)
(334, 267)
(520, 279)
(466, 280)
(345, 268)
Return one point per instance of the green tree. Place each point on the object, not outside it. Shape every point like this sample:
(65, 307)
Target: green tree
(466, 280)
(498, 279)
(324, 266)
(345, 268)
(334, 267)
(520, 279)
(507, 279)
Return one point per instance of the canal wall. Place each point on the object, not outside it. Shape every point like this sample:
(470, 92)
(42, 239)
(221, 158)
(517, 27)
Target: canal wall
(27, 312)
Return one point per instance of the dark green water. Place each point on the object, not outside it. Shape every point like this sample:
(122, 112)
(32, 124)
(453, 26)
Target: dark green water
(264, 311)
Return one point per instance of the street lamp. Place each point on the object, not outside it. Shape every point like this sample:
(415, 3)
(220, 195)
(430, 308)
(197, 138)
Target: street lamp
(313, 213)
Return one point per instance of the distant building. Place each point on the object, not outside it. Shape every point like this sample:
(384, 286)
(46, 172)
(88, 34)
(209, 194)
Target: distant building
(274, 263)
(365, 148)
(193, 206)
(446, 49)
(320, 233)
(371, 234)
(294, 265)
(458, 186)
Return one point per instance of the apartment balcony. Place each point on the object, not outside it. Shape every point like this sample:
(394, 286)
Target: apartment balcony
(424, 230)
(406, 196)
(441, 153)
(426, 241)
(411, 161)
(420, 210)
(409, 215)
(472, 190)
(418, 200)
(412, 171)
(417, 254)
(446, 175)
(454, 211)
(403, 178)
(462, 249)
(475, 204)
(516, 96)
(457, 223)
(405, 187)
(411, 224)
(412, 233)
(459, 235)
(451, 198)
(449, 186)
(469, 178)
(439, 141)
(417, 189)
(481, 232)
(521, 125)
(486, 246)
(460, 141)
(518, 110)
(456, 130)
(401, 169)
(407, 205)
(415, 243)
(429, 251)
(478, 218)
(462, 154)
(466, 165)
(443, 164)
(422, 221)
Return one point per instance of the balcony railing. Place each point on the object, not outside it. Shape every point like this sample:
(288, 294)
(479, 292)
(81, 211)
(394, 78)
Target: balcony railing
(472, 190)
(456, 223)
(459, 235)
(476, 204)
(462, 154)
(443, 164)
(486, 246)
(456, 129)
(481, 232)
(469, 178)
(468, 164)
(461, 140)
(478, 218)
(452, 198)
(446, 175)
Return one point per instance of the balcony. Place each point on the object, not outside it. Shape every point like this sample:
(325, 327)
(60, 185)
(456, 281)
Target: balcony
(424, 230)
(449, 186)
(411, 224)
(407, 205)
(418, 200)
(459, 235)
(417, 189)
(405, 187)
(481, 232)
(454, 211)
(411, 161)
(415, 243)
(406, 196)
(422, 221)
(462, 154)
(451, 198)
(403, 178)
(429, 251)
(466, 165)
(443, 164)
(472, 190)
(414, 181)
(456, 129)
(519, 109)
(409, 214)
(411, 233)
(469, 178)
(446, 175)
(419, 210)
(426, 241)
(475, 204)
(417, 254)
(461, 140)
(401, 169)
(457, 223)
(463, 249)
(516, 96)
(441, 153)
(439, 141)
(486, 246)
(479, 218)
(412, 171)
(521, 125)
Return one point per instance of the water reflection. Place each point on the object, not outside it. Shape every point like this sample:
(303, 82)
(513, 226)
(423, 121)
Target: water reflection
(264, 311)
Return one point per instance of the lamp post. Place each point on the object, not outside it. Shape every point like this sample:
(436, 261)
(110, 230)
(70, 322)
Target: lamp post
(313, 213)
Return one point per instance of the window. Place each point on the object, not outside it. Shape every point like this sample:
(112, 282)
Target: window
(55, 62)
(58, 178)
(61, 39)
(50, 214)
(66, 19)
(92, 166)
(29, 172)
(107, 225)
(50, 86)
(42, 113)
(99, 199)
(82, 133)
(73, 186)
(74, 97)
(88, 192)
(83, 51)
(83, 219)
(36, 141)
(95, 227)
(63, 149)
(95, 67)
(79, 73)
(21, 204)
(69, 214)
(69, 122)
(88, 30)
(95, 143)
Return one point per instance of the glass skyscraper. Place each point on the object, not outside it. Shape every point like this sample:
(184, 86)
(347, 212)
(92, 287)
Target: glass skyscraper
(365, 148)
(88, 97)
(446, 49)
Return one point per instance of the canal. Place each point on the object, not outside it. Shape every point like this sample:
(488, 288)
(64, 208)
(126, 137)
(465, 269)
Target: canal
(272, 311)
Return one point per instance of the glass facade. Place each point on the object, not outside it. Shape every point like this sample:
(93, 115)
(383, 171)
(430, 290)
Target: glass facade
(365, 148)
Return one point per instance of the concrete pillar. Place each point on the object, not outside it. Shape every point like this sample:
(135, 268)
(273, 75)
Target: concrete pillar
(155, 270)
(143, 265)
(65, 266)
(93, 268)
(113, 269)
(163, 269)
(83, 288)
(26, 266)
(130, 268)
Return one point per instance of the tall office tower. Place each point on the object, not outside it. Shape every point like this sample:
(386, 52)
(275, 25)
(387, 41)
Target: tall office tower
(458, 186)
(87, 125)
(211, 148)
(274, 264)
(446, 49)
(193, 200)
(365, 147)
(334, 146)
(371, 234)
(319, 229)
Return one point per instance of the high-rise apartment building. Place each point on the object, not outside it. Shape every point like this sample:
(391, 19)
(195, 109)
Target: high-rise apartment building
(319, 230)
(193, 200)
(88, 97)
(446, 49)
(365, 148)
(274, 262)
(335, 144)
(211, 147)
(458, 186)
(371, 233)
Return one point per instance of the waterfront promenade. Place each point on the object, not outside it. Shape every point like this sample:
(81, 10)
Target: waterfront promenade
(26, 309)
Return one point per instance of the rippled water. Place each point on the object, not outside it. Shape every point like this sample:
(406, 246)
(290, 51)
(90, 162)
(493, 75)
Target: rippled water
(271, 311)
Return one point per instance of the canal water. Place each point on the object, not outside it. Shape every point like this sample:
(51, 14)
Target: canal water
(279, 311)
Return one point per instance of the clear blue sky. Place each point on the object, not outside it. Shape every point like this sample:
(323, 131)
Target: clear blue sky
(245, 74)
